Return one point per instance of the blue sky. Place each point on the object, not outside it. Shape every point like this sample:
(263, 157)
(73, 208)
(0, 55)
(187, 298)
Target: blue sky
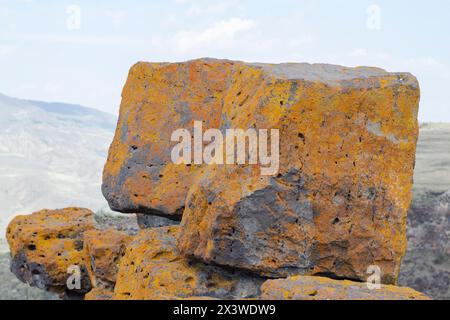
(81, 51)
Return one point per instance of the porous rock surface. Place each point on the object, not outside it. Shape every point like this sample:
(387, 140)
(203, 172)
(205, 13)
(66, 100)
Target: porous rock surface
(336, 206)
(103, 250)
(318, 288)
(153, 269)
(45, 244)
(339, 201)
(99, 294)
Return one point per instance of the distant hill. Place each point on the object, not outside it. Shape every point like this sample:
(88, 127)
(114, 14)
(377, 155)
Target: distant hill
(51, 156)
(432, 171)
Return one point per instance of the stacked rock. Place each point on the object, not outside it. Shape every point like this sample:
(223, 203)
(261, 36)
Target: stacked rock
(335, 206)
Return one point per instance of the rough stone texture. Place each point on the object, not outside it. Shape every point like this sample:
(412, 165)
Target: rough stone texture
(426, 265)
(157, 99)
(45, 244)
(153, 269)
(318, 288)
(99, 294)
(146, 221)
(12, 288)
(347, 148)
(103, 250)
(346, 164)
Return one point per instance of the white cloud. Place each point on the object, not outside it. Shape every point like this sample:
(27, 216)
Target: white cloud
(220, 34)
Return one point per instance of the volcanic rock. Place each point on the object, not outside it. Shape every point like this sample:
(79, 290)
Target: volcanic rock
(103, 250)
(318, 288)
(338, 204)
(46, 244)
(153, 269)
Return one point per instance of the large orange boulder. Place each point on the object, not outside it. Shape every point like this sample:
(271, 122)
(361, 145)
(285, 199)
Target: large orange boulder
(339, 201)
(153, 269)
(317, 288)
(336, 205)
(47, 247)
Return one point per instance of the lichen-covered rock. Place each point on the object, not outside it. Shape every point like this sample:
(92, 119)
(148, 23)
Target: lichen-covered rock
(99, 294)
(103, 250)
(340, 199)
(45, 244)
(426, 265)
(157, 99)
(153, 269)
(318, 288)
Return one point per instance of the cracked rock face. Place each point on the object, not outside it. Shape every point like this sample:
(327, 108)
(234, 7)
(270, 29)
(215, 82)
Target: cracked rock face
(153, 269)
(45, 244)
(339, 201)
(318, 288)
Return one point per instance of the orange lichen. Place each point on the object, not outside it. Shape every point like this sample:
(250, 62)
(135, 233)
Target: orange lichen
(46, 243)
(348, 138)
(153, 269)
(318, 288)
(103, 250)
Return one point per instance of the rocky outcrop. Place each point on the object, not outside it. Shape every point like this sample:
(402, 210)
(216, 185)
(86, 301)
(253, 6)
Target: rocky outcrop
(46, 244)
(103, 250)
(153, 269)
(334, 204)
(426, 265)
(149, 266)
(338, 203)
(317, 288)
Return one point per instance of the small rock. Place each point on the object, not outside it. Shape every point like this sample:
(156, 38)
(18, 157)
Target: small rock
(45, 244)
(318, 288)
